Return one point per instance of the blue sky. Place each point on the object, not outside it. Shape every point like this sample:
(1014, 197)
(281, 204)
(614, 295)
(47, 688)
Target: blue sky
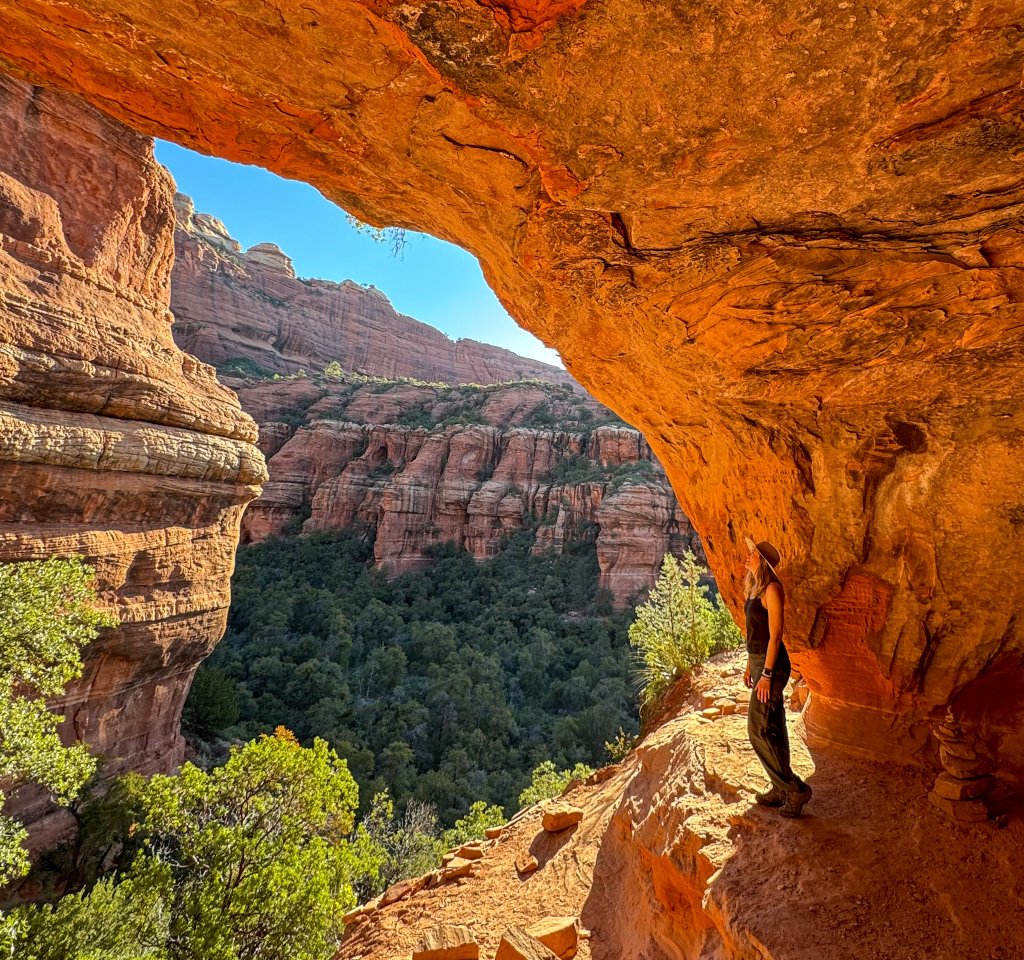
(433, 281)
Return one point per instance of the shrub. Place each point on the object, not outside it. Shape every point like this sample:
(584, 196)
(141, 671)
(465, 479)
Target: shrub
(246, 861)
(547, 782)
(47, 616)
(678, 627)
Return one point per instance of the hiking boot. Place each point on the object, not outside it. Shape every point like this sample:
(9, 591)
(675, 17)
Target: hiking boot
(773, 797)
(795, 802)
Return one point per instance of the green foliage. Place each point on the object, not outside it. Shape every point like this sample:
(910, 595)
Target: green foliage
(244, 367)
(446, 686)
(540, 418)
(632, 474)
(395, 238)
(402, 846)
(574, 470)
(473, 825)
(678, 627)
(417, 417)
(333, 370)
(620, 746)
(213, 701)
(47, 616)
(248, 860)
(547, 781)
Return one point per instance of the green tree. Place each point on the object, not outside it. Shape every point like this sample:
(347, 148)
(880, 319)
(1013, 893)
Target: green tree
(547, 781)
(678, 627)
(473, 826)
(248, 860)
(407, 845)
(47, 616)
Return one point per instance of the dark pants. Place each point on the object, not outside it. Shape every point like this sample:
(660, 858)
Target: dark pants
(766, 725)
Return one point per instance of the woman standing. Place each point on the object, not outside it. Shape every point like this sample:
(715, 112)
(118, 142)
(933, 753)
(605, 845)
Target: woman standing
(767, 674)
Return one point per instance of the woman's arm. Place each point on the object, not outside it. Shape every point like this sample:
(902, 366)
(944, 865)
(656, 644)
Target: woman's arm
(776, 620)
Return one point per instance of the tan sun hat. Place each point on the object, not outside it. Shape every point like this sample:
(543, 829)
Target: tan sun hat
(768, 553)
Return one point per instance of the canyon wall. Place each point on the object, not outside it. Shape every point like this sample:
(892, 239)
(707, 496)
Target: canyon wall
(113, 443)
(418, 466)
(235, 307)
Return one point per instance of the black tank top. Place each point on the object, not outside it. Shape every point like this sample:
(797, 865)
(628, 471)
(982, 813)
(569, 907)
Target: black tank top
(758, 634)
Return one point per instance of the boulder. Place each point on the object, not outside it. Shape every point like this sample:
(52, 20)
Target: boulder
(517, 944)
(527, 864)
(558, 934)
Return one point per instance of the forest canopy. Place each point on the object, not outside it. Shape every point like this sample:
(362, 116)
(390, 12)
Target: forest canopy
(447, 686)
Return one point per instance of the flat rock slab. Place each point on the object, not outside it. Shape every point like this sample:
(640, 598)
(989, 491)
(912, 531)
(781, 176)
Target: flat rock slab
(560, 815)
(469, 852)
(560, 935)
(492, 833)
(450, 942)
(517, 944)
(458, 867)
(970, 811)
(954, 788)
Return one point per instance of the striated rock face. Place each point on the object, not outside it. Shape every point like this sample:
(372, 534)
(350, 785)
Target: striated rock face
(113, 443)
(345, 456)
(232, 305)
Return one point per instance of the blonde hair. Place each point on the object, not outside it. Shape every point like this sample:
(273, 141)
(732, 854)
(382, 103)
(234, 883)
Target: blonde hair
(756, 581)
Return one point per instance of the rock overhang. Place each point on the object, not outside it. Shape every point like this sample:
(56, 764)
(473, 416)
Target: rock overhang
(783, 240)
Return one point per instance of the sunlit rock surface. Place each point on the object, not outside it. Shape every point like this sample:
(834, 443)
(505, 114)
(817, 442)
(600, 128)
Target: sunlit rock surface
(113, 443)
(340, 458)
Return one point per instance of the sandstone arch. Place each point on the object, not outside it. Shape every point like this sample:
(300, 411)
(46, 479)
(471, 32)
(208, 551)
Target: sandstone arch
(784, 240)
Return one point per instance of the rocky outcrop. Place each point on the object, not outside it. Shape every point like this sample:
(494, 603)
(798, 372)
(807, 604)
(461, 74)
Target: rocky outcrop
(113, 443)
(671, 857)
(246, 309)
(420, 466)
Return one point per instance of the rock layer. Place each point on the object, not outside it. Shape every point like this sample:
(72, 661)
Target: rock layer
(784, 240)
(234, 305)
(113, 443)
(340, 458)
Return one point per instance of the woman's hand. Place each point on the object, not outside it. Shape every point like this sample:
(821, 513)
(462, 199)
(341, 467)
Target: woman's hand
(747, 682)
(764, 689)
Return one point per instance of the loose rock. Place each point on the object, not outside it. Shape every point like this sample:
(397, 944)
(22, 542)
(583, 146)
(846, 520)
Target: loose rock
(560, 815)
(447, 942)
(558, 934)
(527, 864)
(517, 944)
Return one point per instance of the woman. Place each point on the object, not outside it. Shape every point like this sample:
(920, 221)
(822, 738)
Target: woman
(767, 674)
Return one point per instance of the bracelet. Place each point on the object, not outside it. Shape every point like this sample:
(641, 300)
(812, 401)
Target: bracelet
(766, 673)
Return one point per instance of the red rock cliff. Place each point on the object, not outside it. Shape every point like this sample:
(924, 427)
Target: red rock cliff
(347, 456)
(113, 443)
(231, 304)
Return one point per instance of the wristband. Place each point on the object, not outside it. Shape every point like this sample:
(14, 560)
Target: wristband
(766, 673)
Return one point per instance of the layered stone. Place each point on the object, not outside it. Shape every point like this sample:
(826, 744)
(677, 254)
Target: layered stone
(113, 443)
(234, 305)
(467, 484)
